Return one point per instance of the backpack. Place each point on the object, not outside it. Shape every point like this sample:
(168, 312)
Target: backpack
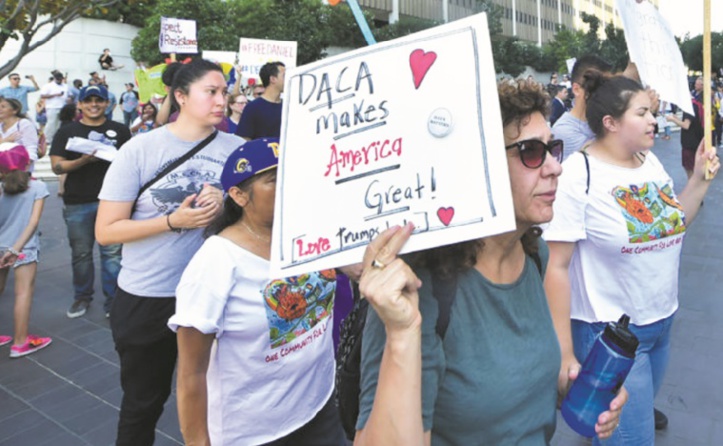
(348, 362)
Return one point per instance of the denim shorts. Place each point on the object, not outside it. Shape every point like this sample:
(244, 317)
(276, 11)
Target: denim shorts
(31, 255)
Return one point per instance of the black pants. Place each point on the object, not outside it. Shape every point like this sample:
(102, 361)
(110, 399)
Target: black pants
(148, 350)
(323, 430)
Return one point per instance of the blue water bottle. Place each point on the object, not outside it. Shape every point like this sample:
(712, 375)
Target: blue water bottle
(601, 377)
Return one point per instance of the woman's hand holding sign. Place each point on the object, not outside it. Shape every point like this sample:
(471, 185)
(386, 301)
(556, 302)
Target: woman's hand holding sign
(389, 284)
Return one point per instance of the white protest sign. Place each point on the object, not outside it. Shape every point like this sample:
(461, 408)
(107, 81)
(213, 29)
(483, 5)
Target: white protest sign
(570, 64)
(254, 53)
(228, 57)
(656, 54)
(405, 130)
(177, 36)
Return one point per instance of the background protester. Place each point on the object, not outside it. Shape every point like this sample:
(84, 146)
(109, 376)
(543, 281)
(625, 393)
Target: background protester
(16, 128)
(158, 216)
(84, 178)
(603, 240)
(146, 121)
(21, 205)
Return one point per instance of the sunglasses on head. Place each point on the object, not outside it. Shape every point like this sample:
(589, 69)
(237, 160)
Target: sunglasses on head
(533, 151)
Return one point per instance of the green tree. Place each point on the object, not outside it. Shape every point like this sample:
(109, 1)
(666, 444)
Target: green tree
(132, 12)
(692, 51)
(314, 25)
(566, 44)
(35, 22)
(614, 49)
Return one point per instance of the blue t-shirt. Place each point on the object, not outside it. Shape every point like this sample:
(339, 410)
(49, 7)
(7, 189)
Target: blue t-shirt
(260, 119)
(573, 132)
(20, 93)
(493, 379)
(15, 212)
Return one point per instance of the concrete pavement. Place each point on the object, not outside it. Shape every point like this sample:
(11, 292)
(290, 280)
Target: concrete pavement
(69, 393)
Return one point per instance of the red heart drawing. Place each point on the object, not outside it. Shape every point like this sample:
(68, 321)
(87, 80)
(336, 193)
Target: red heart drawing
(445, 215)
(420, 62)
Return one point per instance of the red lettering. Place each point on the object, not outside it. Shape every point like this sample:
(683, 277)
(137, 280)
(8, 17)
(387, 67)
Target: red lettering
(320, 246)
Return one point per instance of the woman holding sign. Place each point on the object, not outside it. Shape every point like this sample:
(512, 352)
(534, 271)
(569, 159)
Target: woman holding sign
(616, 239)
(492, 377)
(158, 194)
(257, 352)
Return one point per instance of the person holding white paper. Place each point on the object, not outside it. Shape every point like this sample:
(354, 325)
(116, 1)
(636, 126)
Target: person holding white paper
(495, 378)
(85, 174)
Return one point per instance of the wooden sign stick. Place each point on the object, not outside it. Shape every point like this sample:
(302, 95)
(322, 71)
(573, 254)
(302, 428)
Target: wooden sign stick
(706, 85)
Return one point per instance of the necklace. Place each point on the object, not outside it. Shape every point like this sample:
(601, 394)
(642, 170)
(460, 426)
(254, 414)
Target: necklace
(263, 239)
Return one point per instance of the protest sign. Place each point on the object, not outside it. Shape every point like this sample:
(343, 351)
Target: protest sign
(570, 64)
(177, 36)
(254, 53)
(405, 130)
(656, 54)
(228, 57)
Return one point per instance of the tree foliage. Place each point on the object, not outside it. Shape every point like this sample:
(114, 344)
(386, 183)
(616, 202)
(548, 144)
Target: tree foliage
(35, 22)
(131, 12)
(569, 43)
(314, 25)
(692, 51)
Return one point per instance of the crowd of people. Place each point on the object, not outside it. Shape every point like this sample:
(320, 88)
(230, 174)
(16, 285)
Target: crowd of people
(179, 198)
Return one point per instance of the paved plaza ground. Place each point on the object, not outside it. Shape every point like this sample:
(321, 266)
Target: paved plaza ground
(69, 393)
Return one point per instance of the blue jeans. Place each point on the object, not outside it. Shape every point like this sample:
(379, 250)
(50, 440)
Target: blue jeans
(129, 117)
(637, 423)
(80, 220)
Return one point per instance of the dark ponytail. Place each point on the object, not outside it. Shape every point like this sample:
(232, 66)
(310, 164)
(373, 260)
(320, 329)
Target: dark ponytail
(231, 213)
(606, 95)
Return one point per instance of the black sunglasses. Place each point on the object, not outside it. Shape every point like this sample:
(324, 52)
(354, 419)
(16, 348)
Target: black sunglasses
(534, 151)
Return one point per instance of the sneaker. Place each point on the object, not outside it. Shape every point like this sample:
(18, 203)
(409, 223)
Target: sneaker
(107, 314)
(78, 309)
(32, 345)
(5, 340)
(661, 421)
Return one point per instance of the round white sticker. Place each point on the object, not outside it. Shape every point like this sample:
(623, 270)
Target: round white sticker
(440, 123)
(111, 133)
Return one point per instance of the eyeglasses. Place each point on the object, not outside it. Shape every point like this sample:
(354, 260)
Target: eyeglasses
(240, 102)
(534, 151)
(14, 78)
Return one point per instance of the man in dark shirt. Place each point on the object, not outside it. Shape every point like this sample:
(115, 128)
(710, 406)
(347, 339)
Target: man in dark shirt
(691, 128)
(558, 103)
(262, 116)
(85, 174)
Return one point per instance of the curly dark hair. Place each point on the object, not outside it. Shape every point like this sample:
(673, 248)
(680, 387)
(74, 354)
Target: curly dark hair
(519, 99)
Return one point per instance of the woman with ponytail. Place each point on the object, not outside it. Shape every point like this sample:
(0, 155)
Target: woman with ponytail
(255, 356)
(615, 242)
(159, 194)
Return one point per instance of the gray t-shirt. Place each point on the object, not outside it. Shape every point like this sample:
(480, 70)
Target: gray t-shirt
(153, 266)
(493, 380)
(573, 132)
(15, 212)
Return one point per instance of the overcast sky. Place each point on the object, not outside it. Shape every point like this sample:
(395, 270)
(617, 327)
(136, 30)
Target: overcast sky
(687, 16)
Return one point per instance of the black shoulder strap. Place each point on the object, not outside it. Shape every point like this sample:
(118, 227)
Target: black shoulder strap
(587, 168)
(444, 290)
(197, 148)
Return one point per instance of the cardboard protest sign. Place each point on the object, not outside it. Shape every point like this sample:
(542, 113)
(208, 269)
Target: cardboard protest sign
(405, 130)
(656, 54)
(228, 57)
(254, 53)
(177, 36)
